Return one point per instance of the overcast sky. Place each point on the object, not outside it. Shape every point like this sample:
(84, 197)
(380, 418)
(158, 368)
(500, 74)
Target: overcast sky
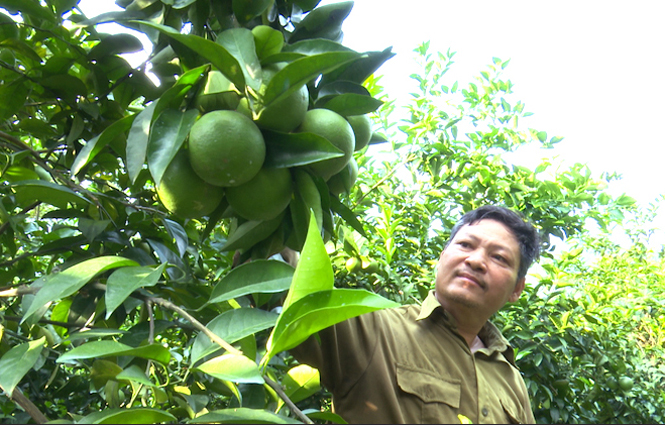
(590, 71)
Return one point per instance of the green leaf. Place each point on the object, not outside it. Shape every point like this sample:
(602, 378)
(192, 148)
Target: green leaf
(301, 382)
(97, 143)
(320, 310)
(314, 272)
(65, 283)
(323, 22)
(14, 94)
(115, 44)
(351, 104)
(167, 135)
(232, 326)
(542, 136)
(134, 415)
(301, 71)
(242, 415)
(29, 191)
(285, 150)
(135, 374)
(251, 232)
(239, 42)
(211, 51)
(315, 46)
(64, 86)
(137, 141)
(260, 276)
(348, 215)
(29, 7)
(233, 367)
(359, 70)
(18, 361)
(98, 349)
(126, 280)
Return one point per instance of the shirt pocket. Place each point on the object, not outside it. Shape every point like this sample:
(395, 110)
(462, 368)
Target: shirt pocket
(512, 412)
(431, 390)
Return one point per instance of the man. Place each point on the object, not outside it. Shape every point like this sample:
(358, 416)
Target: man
(431, 363)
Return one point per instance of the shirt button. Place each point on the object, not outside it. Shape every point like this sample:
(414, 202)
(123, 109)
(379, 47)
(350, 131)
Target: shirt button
(484, 411)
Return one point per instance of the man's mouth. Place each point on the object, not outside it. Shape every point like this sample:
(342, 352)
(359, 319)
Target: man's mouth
(472, 278)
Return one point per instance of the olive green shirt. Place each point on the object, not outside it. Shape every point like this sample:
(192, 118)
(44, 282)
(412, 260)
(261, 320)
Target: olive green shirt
(410, 365)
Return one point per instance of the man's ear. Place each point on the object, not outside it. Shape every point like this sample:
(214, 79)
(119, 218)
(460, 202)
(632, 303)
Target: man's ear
(519, 287)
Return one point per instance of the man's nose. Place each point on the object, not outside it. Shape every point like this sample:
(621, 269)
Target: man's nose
(476, 260)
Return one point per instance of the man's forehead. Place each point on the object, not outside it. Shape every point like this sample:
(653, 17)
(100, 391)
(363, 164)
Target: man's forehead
(488, 228)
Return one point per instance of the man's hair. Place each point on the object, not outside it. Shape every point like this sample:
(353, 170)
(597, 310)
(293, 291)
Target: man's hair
(527, 236)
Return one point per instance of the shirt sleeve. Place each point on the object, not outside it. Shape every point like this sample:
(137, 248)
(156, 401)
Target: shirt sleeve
(341, 352)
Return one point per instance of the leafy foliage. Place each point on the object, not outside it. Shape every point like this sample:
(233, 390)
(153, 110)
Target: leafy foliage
(114, 310)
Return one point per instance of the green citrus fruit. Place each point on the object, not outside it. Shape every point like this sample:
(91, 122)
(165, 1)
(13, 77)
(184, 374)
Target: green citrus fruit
(284, 115)
(612, 383)
(372, 267)
(625, 383)
(343, 181)
(353, 265)
(184, 193)
(226, 148)
(217, 93)
(337, 130)
(264, 196)
(362, 129)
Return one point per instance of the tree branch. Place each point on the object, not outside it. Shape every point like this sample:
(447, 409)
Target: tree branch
(28, 406)
(280, 392)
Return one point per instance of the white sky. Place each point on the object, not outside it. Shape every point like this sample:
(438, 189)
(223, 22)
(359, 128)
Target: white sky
(588, 70)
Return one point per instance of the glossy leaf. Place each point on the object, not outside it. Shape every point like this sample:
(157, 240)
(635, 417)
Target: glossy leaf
(65, 283)
(167, 135)
(100, 349)
(29, 191)
(242, 415)
(314, 271)
(260, 276)
(233, 367)
(358, 71)
(99, 142)
(122, 282)
(315, 46)
(296, 149)
(323, 22)
(115, 44)
(301, 382)
(18, 361)
(321, 310)
(250, 233)
(232, 325)
(135, 374)
(351, 104)
(134, 415)
(299, 72)
(239, 42)
(137, 141)
(211, 51)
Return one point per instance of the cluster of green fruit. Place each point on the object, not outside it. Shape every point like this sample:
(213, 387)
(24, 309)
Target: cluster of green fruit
(223, 164)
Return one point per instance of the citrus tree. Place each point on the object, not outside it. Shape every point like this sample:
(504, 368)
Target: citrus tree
(144, 208)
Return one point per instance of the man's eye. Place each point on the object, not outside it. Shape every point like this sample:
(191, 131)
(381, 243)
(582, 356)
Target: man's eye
(500, 258)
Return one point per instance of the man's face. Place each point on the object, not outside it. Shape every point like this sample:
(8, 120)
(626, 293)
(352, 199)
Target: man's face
(478, 269)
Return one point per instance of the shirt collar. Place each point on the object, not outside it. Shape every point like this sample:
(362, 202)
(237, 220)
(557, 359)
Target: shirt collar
(489, 334)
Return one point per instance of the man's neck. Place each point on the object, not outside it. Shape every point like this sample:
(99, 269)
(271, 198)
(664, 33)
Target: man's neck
(468, 322)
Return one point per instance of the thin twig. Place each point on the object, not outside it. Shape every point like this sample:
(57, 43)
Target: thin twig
(280, 392)
(198, 325)
(28, 406)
